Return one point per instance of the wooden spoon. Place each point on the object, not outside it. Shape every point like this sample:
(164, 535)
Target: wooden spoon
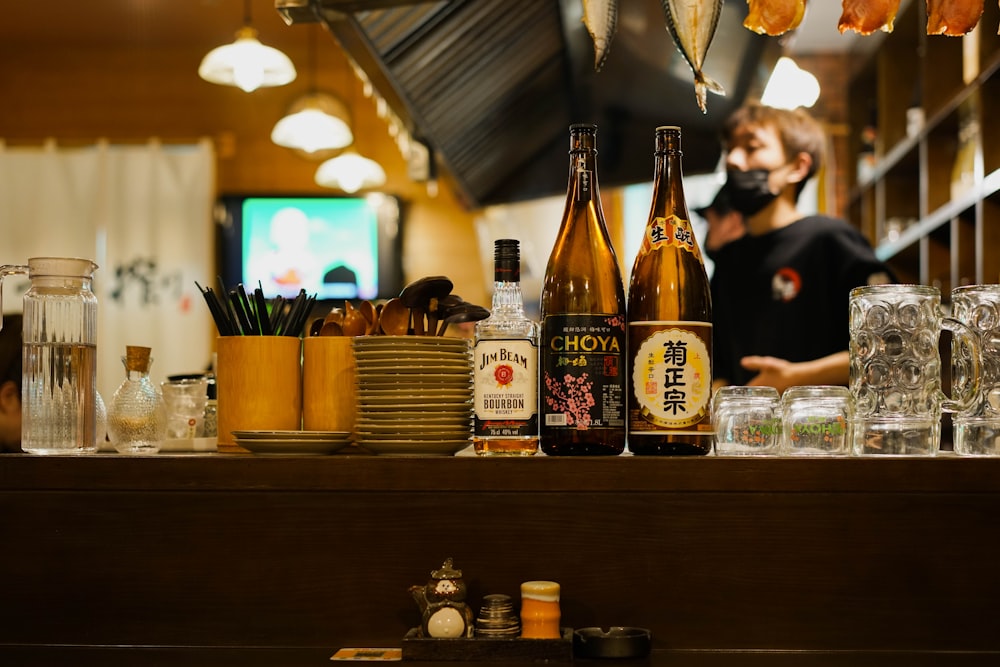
(368, 311)
(395, 318)
(464, 312)
(417, 297)
(355, 323)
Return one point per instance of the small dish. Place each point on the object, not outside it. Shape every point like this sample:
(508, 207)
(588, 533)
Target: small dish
(615, 642)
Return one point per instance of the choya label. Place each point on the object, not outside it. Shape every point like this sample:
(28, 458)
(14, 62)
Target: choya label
(670, 231)
(671, 373)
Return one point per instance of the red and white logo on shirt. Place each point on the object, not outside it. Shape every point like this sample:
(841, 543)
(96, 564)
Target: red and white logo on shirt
(785, 284)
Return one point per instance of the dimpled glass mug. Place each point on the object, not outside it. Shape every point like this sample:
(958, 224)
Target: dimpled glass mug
(896, 369)
(977, 428)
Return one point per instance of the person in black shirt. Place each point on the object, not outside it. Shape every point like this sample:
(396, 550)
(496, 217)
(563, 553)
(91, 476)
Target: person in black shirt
(780, 292)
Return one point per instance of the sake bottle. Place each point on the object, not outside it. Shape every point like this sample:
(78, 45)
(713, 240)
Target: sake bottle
(582, 376)
(669, 322)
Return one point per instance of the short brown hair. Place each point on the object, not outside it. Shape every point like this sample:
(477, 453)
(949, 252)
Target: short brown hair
(799, 132)
(10, 351)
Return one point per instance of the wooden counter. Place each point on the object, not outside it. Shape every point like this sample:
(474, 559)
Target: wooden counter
(243, 560)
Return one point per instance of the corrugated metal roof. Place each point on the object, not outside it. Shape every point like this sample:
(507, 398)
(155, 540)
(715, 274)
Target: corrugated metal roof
(492, 85)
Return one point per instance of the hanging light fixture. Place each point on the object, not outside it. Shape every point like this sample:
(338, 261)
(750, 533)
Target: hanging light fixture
(790, 86)
(350, 172)
(246, 63)
(316, 121)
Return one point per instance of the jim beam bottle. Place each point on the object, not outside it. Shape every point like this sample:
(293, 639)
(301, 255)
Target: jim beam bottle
(669, 322)
(582, 382)
(506, 365)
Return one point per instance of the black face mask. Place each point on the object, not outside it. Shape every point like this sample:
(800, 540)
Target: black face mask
(749, 191)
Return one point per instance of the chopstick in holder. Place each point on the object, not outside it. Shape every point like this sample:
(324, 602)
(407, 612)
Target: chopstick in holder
(245, 307)
(216, 309)
(263, 319)
(239, 313)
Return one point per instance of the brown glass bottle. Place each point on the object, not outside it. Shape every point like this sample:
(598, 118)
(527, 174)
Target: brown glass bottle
(582, 375)
(669, 322)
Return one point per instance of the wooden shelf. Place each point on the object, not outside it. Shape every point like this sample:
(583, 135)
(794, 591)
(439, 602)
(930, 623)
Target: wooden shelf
(949, 239)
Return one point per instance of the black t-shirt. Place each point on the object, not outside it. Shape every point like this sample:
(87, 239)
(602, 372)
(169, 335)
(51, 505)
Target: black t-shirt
(785, 293)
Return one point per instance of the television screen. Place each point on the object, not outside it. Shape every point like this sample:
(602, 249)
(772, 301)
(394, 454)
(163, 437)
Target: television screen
(334, 247)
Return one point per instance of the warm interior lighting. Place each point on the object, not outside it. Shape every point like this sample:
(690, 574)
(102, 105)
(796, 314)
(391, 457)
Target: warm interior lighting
(350, 172)
(246, 63)
(790, 86)
(314, 123)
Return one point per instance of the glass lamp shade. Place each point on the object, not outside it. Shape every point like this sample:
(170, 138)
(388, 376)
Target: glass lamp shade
(790, 86)
(247, 64)
(350, 172)
(315, 122)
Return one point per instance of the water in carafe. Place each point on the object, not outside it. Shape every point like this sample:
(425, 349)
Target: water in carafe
(59, 386)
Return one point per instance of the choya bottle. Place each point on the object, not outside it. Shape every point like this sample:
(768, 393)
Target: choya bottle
(669, 322)
(582, 378)
(506, 365)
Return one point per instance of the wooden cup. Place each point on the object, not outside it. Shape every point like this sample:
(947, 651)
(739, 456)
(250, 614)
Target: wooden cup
(328, 376)
(258, 385)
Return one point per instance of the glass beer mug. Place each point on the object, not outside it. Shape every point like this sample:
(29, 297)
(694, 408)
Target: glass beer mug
(896, 369)
(59, 386)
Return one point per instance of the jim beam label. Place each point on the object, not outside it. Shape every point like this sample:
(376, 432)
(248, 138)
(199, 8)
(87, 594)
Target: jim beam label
(506, 389)
(583, 371)
(671, 376)
(670, 231)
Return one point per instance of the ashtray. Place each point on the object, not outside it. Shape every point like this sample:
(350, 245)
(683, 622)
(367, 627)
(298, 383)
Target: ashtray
(615, 642)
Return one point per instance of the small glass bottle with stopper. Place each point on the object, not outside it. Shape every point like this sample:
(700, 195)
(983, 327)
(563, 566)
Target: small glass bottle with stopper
(137, 415)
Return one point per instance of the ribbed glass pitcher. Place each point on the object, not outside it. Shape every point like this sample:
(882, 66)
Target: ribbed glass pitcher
(59, 386)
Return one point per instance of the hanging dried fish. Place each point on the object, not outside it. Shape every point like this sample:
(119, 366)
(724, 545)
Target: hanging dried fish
(953, 17)
(692, 24)
(774, 17)
(601, 19)
(867, 16)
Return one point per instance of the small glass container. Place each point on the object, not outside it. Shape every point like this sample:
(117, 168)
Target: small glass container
(137, 415)
(816, 420)
(747, 421)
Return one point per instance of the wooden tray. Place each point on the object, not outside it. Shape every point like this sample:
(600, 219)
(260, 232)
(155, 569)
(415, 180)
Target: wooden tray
(488, 649)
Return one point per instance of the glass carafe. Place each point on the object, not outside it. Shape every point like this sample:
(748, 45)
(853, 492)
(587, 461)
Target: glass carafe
(59, 385)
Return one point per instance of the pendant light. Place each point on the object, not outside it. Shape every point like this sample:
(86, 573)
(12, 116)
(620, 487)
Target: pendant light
(246, 63)
(317, 121)
(350, 171)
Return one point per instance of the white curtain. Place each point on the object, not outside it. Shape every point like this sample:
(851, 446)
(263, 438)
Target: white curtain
(144, 215)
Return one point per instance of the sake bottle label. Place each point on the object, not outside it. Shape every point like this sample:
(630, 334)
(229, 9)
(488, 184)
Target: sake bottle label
(671, 376)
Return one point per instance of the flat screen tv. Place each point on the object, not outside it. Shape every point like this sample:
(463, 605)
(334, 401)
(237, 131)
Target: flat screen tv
(338, 248)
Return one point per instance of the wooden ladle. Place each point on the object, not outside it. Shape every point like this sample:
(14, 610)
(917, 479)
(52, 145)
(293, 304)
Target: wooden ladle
(417, 297)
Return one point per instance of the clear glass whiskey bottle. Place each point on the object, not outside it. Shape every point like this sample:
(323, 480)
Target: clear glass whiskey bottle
(506, 365)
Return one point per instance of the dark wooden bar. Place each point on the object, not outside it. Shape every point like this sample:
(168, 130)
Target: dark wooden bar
(243, 560)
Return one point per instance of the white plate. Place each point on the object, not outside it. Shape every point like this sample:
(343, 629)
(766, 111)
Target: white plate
(415, 366)
(418, 392)
(394, 358)
(292, 435)
(381, 410)
(423, 421)
(396, 400)
(392, 354)
(408, 342)
(415, 434)
(292, 447)
(414, 448)
(415, 381)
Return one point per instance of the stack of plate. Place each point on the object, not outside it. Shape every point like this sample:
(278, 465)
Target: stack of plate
(414, 394)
